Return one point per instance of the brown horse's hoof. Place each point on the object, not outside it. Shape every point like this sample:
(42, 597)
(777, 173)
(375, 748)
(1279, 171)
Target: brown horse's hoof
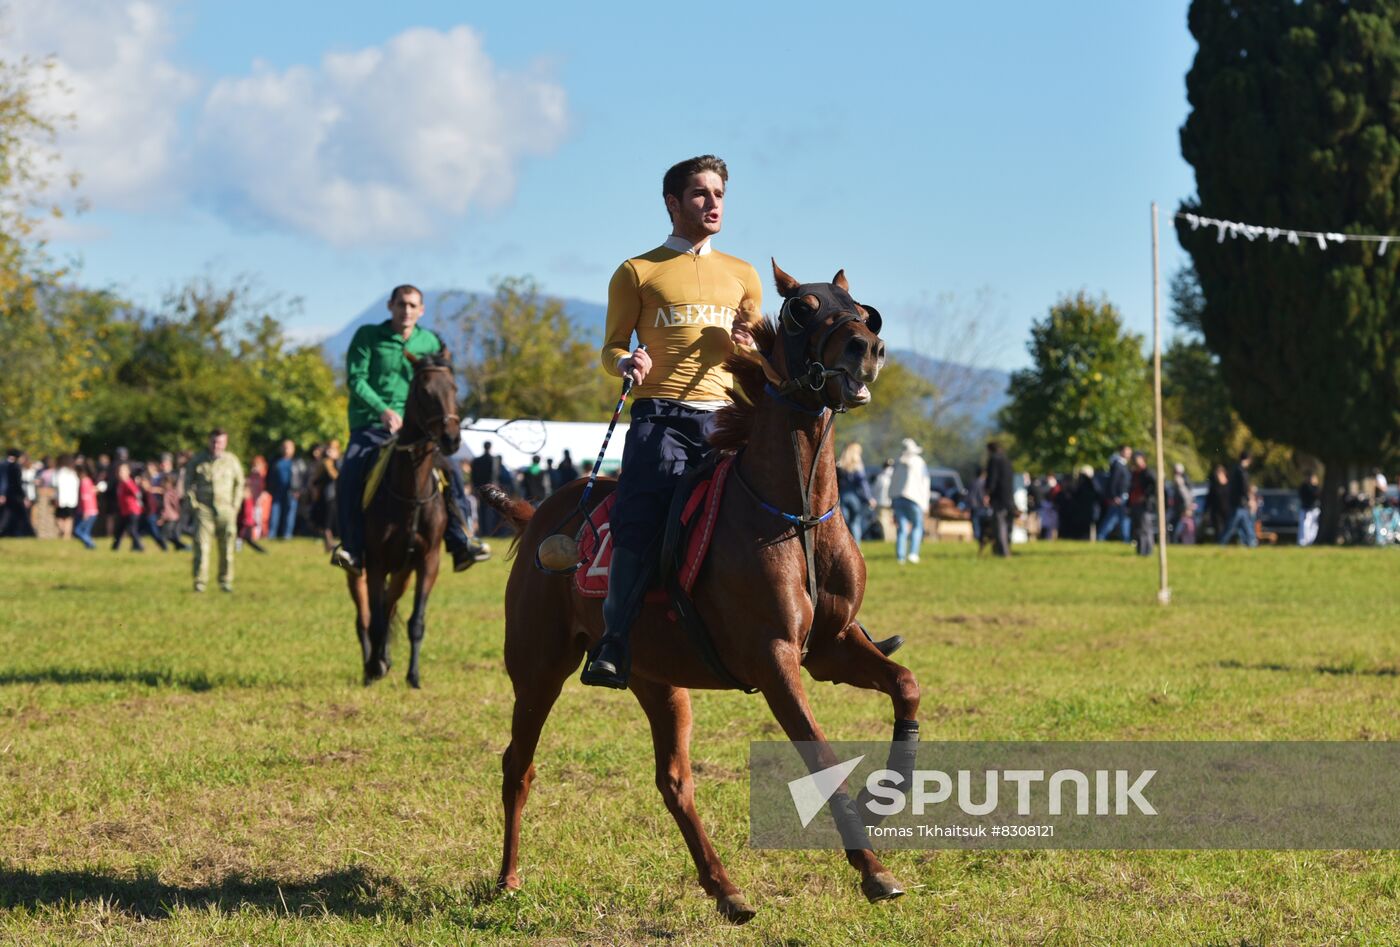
(735, 908)
(881, 886)
(510, 884)
(375, 670)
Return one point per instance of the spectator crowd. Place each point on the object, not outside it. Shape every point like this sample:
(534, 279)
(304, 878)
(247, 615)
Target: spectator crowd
(131, 502)
(1117, 503)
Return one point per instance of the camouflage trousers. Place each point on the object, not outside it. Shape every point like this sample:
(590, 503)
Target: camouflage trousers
(211, 531)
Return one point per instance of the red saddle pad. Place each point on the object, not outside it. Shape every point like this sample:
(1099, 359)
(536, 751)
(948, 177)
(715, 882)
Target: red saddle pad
(698, 519)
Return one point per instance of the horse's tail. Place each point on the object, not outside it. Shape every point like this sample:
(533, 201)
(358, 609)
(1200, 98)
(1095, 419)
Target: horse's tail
(517, 513)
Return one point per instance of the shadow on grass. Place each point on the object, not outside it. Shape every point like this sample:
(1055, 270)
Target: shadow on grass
(1381, 671)
(162, 677)
(349, 892)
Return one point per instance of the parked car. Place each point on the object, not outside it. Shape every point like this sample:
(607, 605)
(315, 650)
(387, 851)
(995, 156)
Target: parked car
(1277, 513)
(947, 483)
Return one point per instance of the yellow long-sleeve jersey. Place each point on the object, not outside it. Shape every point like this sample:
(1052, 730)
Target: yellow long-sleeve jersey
(681, 306)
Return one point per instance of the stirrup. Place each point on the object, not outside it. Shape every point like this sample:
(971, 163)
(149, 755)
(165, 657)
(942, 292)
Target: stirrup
(886, 646)
(598, 672)
(344, 559)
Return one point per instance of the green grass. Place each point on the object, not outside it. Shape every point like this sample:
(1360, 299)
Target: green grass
(182, 769)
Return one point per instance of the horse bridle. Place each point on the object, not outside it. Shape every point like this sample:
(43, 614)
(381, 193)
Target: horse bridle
(796, 337)
(422, 447)
(442, 420)
(814, 375)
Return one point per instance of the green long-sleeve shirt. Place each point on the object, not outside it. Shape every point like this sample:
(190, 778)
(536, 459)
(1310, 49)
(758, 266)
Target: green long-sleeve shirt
(377, 371)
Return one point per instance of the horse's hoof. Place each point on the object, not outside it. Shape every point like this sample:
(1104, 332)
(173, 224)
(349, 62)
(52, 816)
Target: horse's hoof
(510, 884)
(881, 886)
(735, 908)
(414, 683)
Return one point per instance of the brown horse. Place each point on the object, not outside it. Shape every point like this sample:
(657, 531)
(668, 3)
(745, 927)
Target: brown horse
(754, 596)
(406, 519)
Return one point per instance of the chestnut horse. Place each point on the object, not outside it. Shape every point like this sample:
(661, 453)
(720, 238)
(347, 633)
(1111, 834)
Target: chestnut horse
(754, 594)
(406, 519)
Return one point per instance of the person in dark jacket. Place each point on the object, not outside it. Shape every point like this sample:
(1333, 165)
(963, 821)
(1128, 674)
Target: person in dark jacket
(488, 469)
(286, 478)
(1241, 517)
(1001, 497)
(1116, 522)
(566, 472)
(857, 500)
(14, 501)
(1218, 500)
(1142, 503)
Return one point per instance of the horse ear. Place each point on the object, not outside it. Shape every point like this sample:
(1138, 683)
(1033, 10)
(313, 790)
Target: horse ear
(787, 286)
(445, 354)
(839, 281)
(873, 322)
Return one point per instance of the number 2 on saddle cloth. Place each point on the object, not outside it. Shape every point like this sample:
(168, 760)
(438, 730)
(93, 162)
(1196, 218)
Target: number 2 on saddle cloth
(697, 519)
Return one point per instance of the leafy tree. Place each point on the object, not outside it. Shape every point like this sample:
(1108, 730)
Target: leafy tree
(58, 349)
(524, 358)
(901, 406)
(55, 347)
(1293, 124)
(1201, 426)
(214, 357)
(1087, 391)
(302, 400)
(27, 162)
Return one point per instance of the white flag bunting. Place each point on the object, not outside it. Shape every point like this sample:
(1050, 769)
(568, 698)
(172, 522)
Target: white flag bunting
(1231, 228)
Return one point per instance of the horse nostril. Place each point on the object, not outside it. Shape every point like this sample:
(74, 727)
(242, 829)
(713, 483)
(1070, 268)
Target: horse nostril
(880, 351)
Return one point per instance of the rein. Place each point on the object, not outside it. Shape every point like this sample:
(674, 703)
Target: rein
(804, 523)
(814, 375)
(420, 450)
(812, 378)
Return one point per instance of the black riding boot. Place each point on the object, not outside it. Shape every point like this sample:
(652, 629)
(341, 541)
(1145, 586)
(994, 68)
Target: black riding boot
(886, 647)
(610, 662)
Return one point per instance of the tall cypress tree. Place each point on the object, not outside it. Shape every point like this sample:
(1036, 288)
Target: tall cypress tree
(1295, 122)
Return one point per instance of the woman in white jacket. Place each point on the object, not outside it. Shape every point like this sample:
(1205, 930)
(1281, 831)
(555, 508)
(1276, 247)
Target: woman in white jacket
(909, 495)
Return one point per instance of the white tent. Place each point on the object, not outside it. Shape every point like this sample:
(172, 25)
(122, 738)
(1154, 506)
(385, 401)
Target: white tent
(581, 438)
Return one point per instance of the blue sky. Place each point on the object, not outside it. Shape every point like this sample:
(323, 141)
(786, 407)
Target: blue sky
(1003, 154)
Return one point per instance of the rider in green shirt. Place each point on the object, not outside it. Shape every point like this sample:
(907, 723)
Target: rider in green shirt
(379, 375)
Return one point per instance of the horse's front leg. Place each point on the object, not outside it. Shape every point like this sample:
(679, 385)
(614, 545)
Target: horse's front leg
(851, 658)
(377, 661)
(781, 686)
(423, 587)
(359, 595)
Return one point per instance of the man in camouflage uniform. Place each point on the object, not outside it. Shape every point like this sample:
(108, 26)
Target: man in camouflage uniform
(214, 490)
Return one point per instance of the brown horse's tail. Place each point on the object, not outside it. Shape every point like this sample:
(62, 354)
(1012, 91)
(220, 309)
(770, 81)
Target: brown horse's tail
(517, 513)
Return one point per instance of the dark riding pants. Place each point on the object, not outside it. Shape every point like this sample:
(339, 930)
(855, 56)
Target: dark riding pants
(664, 441)
(350, 488)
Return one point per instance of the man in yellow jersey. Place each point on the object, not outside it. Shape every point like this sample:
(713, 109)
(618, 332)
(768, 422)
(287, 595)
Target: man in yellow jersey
(688, 304)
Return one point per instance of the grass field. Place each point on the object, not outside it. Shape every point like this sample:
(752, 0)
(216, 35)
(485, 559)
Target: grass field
(182, 769)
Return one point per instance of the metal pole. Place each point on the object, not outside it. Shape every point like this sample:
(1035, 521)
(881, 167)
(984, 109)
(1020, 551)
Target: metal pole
(1164, 592)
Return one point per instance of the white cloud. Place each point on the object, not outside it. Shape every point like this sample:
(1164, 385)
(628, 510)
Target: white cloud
(383, 144)
(112, 73)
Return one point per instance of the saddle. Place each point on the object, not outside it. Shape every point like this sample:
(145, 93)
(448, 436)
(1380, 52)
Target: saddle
(689, 527)
(379, 464)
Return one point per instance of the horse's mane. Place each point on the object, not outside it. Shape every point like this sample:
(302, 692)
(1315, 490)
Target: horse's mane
(734, 422)
(433, 361)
